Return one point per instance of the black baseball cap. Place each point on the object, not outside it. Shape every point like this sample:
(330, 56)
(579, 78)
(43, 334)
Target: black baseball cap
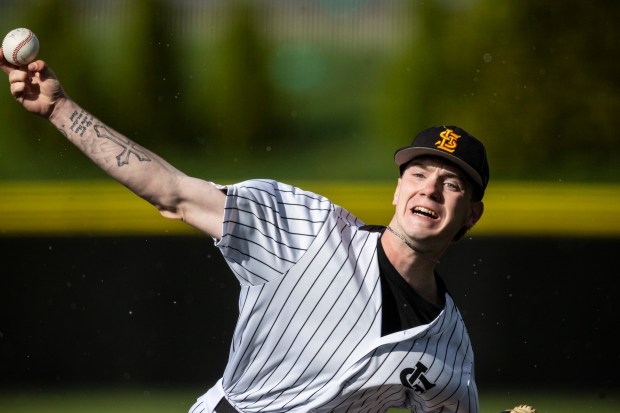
(454, 144)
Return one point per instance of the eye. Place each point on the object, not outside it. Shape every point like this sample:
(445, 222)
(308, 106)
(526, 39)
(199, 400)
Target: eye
(417, 173)
(452, 186)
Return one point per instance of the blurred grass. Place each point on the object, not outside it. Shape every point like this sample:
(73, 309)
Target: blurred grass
(105, 207)
(175, 400)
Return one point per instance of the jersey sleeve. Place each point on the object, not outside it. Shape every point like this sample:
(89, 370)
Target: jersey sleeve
(267, 228)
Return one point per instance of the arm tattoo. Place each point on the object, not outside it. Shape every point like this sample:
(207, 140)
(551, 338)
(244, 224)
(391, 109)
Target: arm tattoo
(81, 122)
(128, 147)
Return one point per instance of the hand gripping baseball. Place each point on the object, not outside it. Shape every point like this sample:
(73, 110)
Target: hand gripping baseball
(35, 87)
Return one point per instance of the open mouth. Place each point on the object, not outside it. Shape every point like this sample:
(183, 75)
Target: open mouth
(429, 213)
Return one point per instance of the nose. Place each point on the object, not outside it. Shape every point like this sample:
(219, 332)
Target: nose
(432, 188)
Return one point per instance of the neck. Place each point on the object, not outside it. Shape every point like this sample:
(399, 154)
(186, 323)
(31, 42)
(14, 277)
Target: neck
(408, 243)
(416, 267)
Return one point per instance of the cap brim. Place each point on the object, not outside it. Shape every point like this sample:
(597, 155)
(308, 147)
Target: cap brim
(404, 155)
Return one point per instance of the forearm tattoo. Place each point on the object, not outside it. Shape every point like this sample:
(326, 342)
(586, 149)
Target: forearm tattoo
(128, 147)
(82, 121)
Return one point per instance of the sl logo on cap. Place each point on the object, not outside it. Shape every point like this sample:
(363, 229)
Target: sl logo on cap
(447, 141)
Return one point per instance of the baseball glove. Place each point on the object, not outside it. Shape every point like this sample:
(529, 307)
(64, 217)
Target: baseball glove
(522, 408)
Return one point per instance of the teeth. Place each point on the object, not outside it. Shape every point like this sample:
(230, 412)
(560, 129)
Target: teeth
(425, 211)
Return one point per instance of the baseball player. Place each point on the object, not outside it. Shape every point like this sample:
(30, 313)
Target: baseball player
(334, 315)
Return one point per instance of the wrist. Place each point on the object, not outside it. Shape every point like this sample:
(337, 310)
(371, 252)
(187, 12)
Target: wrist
(59, 110)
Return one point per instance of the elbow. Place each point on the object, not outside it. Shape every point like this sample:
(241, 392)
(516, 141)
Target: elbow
(169, 212)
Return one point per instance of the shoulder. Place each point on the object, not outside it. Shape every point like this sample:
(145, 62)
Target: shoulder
(279, 191)
(281, 204)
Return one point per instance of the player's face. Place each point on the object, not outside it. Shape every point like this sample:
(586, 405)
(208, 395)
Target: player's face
(433, 202)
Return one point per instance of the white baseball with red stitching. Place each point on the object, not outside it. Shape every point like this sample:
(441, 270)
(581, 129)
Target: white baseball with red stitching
(20, 46)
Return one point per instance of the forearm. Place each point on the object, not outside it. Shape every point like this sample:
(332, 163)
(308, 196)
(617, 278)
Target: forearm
(178, 196)
(142, 171)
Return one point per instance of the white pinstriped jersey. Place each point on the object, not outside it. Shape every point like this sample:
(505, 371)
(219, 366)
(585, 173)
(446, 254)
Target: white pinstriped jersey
(308, 337)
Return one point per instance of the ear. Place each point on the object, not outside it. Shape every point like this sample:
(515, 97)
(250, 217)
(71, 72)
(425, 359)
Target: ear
(396, 193)
(475, 213)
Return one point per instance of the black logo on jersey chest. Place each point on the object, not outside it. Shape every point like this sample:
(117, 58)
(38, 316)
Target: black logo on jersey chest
(415, 379)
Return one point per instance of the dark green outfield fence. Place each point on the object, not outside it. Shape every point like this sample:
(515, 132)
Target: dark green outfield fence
(542, 311)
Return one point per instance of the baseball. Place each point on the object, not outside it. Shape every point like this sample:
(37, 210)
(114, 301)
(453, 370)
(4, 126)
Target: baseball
(20, 46)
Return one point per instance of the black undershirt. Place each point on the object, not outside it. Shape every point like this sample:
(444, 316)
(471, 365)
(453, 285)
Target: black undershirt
(403, 308)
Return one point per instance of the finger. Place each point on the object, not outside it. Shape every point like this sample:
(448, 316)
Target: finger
(16, 76)
(17, 81)
(4, 65)
(17, 89)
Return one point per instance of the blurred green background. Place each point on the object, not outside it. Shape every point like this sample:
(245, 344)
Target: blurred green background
(318, 93)
(327, 89)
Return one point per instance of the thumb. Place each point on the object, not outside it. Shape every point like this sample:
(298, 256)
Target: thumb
(43, 70)
(36, 66)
